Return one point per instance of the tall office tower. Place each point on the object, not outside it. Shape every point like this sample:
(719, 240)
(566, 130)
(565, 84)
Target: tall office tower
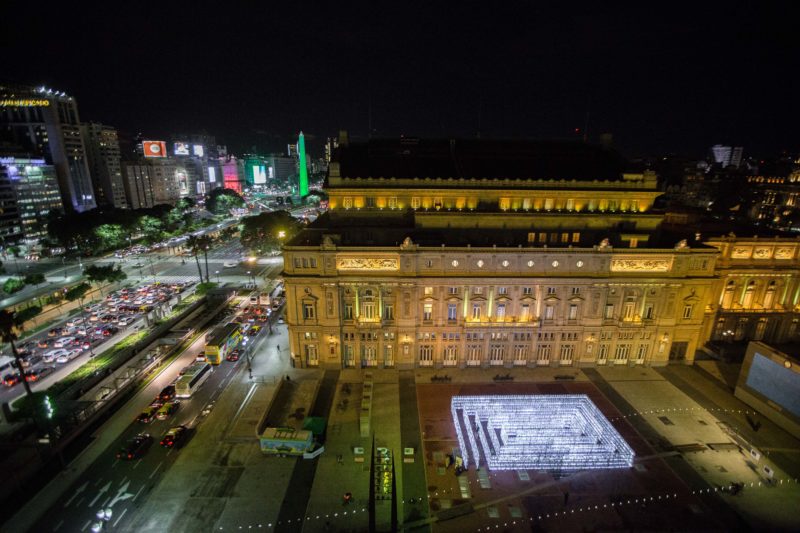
(302, 173)
(46, 122)
(150, 182)
(102, 149)
(197, 158)
(28, 194)
(727, 155)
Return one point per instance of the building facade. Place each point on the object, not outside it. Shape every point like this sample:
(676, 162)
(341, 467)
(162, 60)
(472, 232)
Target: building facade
(485, 253)
(46, 123)
(105, 167)
(28, 194)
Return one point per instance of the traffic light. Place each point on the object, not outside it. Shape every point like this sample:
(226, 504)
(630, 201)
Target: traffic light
(48, 407)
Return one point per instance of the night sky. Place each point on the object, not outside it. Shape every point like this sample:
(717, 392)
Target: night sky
(660, 79)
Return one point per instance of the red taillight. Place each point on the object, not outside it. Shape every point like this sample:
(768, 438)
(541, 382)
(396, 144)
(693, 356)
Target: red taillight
(130, 456)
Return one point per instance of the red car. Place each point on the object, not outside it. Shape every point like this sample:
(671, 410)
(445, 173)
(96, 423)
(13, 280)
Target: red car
(233, 356)
(9, 380)
(32, 375)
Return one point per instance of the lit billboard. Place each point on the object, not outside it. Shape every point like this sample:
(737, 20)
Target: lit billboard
(197, 149)
(259, 174)
(154, 148)
(212, 175)
(181, 149)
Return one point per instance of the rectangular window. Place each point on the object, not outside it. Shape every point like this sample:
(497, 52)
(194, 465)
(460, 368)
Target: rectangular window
(348, 312)
(641, 352)
(347, 202)
(452, 291)
(609, 311)
(497, 354)
(602, 353)
(428, 291)
(501, 311)
(426, 355)
(576, 291)
(308, 311)
(427, 312)
(452, 310)
(476, 311)
(551, 291)
(520, 354)
(370, 201)
(648, 312)
(567, 352)
(297, 262)
(573, 312)
(564, 238)
(502, 290)
(393, 202)
(543, 354)
(415, 203)
(368, 311)
(474, 354)
(388, 312)
(622, 352)
(525, 312)
(450, 355)
(477, 290)
(542, 238)
(312, 262)
(628, 315)
(531, 237)
(576, 238)
(527, 291)
(687, 311)
(549, 312)
(305, 262)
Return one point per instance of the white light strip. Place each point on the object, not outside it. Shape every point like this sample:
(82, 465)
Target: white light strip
(563, 432)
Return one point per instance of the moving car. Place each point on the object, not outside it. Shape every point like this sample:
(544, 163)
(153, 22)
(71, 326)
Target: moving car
(233, 356)
(174, 437)
(136, 447)
(149, 413)
(63, 341)
(167, 393)
(9, 380)
(67, 357)
(52, 355)
(230, 264)
(167, 409)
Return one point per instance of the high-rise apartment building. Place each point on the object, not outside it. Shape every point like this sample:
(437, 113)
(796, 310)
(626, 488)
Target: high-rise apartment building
(102, 149)
(28, 194)
(150, 182)
(727, 155)
(46, 122)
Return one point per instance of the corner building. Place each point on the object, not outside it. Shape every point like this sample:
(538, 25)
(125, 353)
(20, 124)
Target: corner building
(460, 253)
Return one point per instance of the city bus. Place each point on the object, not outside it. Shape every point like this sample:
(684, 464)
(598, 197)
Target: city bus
(221, 342)
(190, 381)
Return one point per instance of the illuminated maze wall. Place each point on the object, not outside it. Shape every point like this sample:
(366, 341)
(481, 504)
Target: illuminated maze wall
(541, 432)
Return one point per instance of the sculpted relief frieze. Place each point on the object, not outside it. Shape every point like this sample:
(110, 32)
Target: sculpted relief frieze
(651, 264)
(367, 263)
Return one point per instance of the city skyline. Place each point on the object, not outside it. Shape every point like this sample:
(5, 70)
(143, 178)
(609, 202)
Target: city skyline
(658, 82)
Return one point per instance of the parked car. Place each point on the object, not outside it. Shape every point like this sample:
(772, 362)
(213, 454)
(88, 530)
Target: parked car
(136, 447)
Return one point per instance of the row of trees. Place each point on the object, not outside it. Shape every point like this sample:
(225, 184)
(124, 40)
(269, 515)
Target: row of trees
(266, 232)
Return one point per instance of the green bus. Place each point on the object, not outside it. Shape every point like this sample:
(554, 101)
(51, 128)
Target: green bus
(221, 342)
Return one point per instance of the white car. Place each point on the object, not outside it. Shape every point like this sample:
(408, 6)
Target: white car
(52, 355)
(125, 321)
(230, 264)
(63, 341)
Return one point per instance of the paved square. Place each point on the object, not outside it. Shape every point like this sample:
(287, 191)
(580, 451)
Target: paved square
(565, 432)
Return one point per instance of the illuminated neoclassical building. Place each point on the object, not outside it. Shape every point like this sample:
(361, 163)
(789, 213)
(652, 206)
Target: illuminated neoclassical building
(493, 253)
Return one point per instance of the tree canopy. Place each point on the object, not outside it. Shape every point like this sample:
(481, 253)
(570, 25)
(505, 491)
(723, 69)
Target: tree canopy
(221, 201)
(268, 231)
(101, 273)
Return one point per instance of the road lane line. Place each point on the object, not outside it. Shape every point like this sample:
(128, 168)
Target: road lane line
(137, 464)
(137, 493)
(58, 525)
(115, 463)
(120, 516)
(86, 525)
(123, 480)
(170, 451)
(80, 502)
(96, 483)
(105, 502)
(155, 470)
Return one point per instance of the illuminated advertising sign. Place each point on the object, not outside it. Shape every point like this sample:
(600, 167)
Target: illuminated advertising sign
(183, 182)
(197, 149)
(181, 149)
(154, 148)
(259, 174)
(24, 102)
(212, 175)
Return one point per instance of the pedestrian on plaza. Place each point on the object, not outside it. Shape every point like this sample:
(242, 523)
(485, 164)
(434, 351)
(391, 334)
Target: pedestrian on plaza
(566, 497)
(250, 370)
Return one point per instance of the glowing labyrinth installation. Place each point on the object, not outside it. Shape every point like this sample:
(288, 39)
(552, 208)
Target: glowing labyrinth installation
(537, 432)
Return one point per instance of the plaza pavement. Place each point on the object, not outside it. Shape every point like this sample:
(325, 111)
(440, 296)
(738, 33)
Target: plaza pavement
(671, 417)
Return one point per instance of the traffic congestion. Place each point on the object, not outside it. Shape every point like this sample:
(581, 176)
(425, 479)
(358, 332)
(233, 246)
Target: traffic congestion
(96, 324)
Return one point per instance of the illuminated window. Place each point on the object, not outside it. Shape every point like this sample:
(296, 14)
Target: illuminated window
(348, 312)
(549, 312)
(388, 312)
(527, 291)
(368, 310)
(525, 312)
(452, 311)
(687, 311)
(573, 312)
(476, 311)
(415, 203)
(393, 202)
(502, 290)
(609, 311)
(347, 202)
(501, 311)
(427, 312)
(452, 290)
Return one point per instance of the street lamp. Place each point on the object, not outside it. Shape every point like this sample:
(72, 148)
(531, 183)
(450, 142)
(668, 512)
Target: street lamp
(217, 273)
(253, 278)
(64, 266)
